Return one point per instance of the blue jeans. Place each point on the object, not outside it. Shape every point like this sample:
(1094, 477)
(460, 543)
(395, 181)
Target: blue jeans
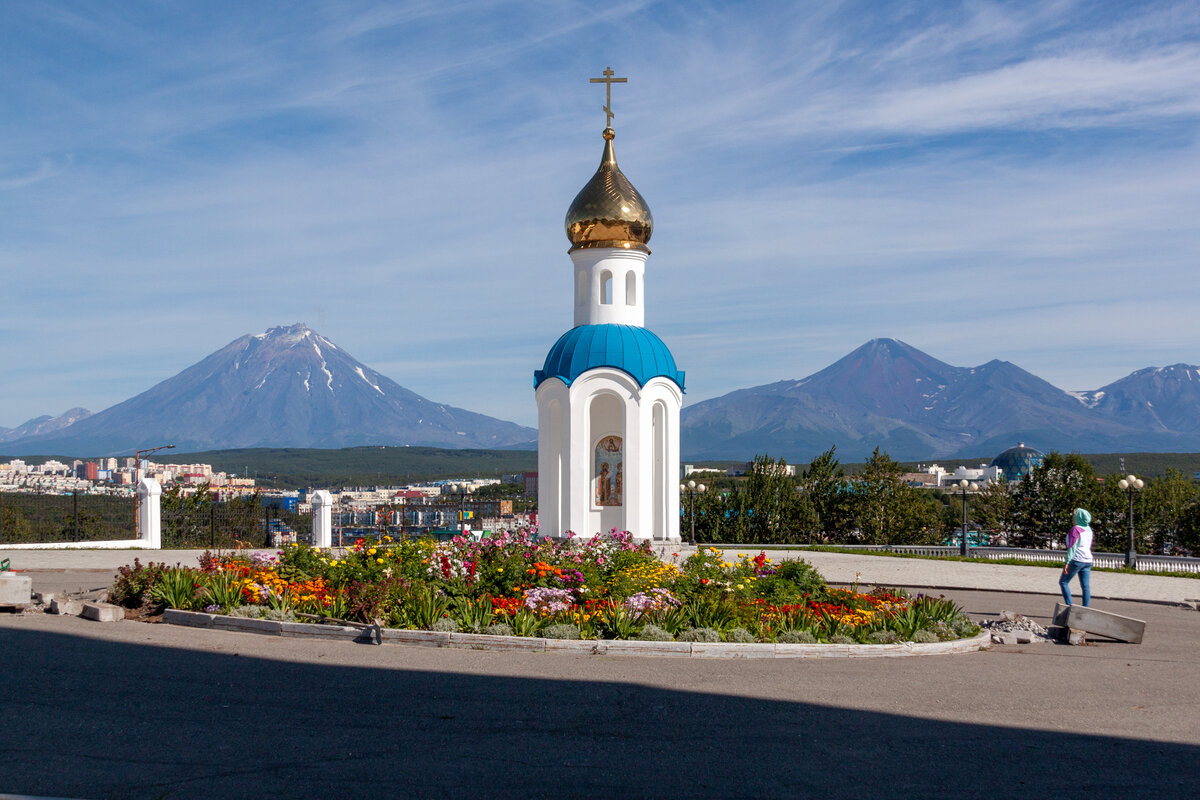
(1084, 570)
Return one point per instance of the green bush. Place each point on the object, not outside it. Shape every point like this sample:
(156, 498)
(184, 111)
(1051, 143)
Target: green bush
(132, 583)
(653, 633)
(700, 635)
(280, 614)
(561, 630)
(740, 636)
(499, 629)
(841, 638)
(792, 580)
(925, 636)
(445, 625)
(883, 637)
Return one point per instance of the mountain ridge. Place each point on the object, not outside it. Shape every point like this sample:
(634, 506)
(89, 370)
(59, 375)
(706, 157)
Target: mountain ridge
(889, 394)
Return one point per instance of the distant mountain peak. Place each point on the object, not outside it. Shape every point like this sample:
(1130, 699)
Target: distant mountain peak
(286, 387)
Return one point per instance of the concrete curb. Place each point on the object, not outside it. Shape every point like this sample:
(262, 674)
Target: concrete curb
(473, 641)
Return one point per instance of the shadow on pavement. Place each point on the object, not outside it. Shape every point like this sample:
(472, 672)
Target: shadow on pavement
(98, 719)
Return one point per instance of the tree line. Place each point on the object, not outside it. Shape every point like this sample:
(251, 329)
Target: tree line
(824, 505)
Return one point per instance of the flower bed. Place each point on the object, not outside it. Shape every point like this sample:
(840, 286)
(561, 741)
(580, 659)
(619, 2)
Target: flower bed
(604, 588)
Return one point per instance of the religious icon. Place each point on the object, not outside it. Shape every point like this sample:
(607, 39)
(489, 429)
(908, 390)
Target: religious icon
(609, 469)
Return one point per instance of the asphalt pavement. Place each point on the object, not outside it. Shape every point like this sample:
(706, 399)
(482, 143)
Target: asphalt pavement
(137, 710)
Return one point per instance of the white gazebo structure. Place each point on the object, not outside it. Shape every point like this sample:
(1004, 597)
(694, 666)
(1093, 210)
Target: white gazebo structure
(609, 393)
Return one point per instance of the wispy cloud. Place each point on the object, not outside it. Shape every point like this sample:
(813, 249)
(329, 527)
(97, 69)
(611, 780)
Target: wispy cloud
(979, 179)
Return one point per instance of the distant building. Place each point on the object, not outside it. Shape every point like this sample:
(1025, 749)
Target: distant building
(748, 468)
(1017, 462)
(690, 469)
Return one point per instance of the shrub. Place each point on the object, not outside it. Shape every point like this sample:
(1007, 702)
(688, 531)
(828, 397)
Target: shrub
(791, 581)
(562, 630)
(446, 625)
(279, 614)
(883, 637)
(653, 633)
(841, 638)
(925, 636)
(132, 583)
(796, 637)
(740, 636)
(499, 629)
(965, 628)
(250, 612)
(943, 630)
(700, 635)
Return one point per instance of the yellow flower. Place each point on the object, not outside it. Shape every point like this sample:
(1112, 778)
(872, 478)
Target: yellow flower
(740, 586)
(741, 555)
(371, 552)
(379, 561)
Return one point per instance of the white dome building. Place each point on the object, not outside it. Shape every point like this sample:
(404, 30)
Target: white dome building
(609, 393)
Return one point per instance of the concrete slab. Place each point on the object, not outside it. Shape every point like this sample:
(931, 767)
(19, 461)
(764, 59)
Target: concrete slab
(191, 619)
(1100, 623)
(306, 630)
(15, 590)
(102, 612)
(732, 650)
(268, 626)
(64, 606)
(485, 641)
(416, 638)
(640, 648)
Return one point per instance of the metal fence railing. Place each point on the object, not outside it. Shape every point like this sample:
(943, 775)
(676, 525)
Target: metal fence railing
(1151, 563)
(40, 517)
(238, 523)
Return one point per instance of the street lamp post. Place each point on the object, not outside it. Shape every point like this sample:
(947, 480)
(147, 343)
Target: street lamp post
(691, 488)
(963, 550)
(1130, 484)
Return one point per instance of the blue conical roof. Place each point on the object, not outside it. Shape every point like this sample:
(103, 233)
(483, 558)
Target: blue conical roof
(629, 348)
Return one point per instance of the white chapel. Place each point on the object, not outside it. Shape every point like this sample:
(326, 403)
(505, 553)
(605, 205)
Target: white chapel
(609, 393)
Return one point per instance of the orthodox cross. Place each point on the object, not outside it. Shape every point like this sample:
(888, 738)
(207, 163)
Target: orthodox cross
(608, 80)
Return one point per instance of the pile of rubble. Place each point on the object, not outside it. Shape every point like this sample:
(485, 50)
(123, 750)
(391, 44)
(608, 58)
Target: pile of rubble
(1013, 628)
(17, 597)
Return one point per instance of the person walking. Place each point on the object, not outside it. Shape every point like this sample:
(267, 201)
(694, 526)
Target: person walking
(1079, 558)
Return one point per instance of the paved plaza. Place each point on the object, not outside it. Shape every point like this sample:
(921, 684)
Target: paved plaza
(136, 710)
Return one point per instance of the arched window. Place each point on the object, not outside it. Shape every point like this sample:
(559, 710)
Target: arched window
(631, 288)
(606, 288)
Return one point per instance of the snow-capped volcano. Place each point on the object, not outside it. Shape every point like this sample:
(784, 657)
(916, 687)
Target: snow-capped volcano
(287, 387)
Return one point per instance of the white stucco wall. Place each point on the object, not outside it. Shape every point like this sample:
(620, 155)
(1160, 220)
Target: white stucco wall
(572, 420)
(627, 269)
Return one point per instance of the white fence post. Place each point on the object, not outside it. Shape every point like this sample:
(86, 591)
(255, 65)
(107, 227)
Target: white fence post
(322, 518)
(149, 513)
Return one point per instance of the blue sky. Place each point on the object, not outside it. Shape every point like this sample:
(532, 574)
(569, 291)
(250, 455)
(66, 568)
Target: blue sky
(981, 180)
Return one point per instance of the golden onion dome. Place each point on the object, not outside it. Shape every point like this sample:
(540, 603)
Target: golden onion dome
(608, 211)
